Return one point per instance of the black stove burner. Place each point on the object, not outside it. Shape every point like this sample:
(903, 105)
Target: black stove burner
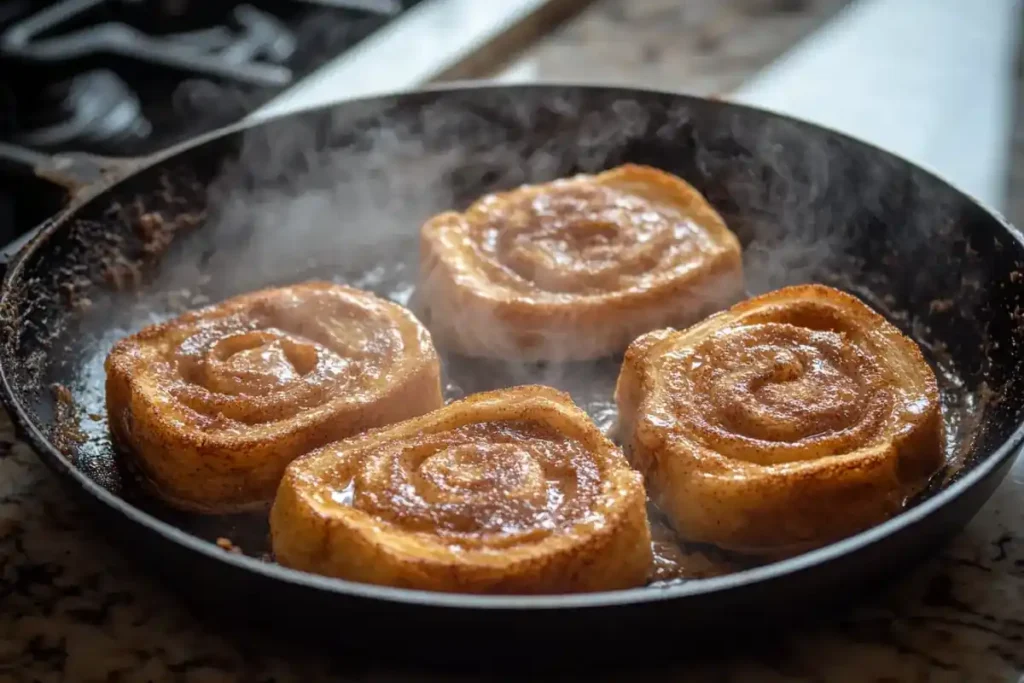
(128, 77)
(95, 107)
(251, 52)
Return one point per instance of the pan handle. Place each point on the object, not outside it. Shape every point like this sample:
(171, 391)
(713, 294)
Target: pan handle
(74, 171)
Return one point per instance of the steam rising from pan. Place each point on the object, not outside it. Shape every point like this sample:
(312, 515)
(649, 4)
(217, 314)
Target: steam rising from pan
(309, 195)
(339, 186)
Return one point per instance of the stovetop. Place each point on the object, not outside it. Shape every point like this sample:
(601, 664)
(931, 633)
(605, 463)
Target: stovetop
(129, 77)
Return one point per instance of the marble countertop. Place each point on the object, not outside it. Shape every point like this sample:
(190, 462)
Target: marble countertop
(72, 608)
(701, 47)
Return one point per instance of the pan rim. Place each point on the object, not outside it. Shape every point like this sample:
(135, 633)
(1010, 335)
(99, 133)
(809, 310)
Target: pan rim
(31, 432)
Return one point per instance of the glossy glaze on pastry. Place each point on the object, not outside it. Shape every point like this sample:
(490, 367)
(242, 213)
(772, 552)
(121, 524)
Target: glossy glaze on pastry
(510, 491)
(577, 268)
(212, 406)
(789, 421)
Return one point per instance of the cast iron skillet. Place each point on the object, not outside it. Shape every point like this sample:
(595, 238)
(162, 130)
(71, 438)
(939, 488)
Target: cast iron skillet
(340, 193)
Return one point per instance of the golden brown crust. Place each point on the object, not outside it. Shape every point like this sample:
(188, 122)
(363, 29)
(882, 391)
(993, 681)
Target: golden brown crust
(510, 491)
(576, 268)
(789, 421)
(212, 406)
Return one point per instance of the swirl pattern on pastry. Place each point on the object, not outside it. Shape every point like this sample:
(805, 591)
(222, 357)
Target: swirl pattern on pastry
(577, 268)
(789, 421)
(510, 491)
(212, 406)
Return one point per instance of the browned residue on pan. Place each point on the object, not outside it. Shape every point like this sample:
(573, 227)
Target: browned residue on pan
(67, 432)
(156, 234)
(227, 544)
(968, 424)
(73, 292)
(674, 561)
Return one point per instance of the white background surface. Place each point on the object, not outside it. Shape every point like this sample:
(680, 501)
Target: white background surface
(932, 80)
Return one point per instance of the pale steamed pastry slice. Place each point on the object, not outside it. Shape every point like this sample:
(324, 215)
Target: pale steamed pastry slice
(510, 491)
(576, 268)
(789, 421)
(212, 406)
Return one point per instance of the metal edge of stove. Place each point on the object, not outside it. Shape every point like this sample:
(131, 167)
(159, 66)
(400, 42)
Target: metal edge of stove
(406, 53)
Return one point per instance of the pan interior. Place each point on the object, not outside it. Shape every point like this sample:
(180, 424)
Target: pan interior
(340, 195)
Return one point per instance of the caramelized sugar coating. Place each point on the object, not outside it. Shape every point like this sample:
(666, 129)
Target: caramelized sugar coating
(789, 421)
(510, 491)
(577, 268)
(212, 406)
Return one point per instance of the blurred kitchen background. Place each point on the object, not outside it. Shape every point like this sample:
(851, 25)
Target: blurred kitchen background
(936, 81)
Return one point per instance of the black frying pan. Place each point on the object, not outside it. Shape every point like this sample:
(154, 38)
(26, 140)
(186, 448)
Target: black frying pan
(340, 193)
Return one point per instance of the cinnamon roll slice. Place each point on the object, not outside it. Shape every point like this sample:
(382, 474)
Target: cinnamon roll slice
(575, 269)
(510, 491)
(789, 421)
(213, 405)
